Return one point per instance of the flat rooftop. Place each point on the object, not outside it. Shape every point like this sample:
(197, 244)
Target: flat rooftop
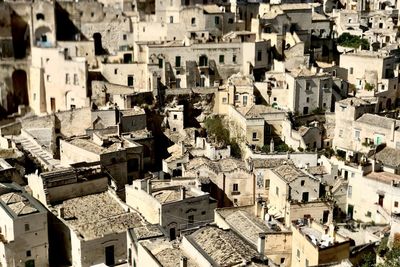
(171, 194)
(316, 236)
(385, 177)
(96, 215)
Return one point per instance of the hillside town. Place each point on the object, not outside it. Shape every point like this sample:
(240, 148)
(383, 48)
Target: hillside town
(188, 133)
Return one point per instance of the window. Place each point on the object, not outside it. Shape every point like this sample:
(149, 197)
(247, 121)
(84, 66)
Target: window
(282, 260)
(76, 79)
(307, 263)
(171, 19)
(28, 253)
(234, 58)
(396, 204)
(27, 228)
(307, 99)
(130, 80)
(350, 191)
(160, 63)
(236, 97)
(67, 78)
(230, 21)
(267, 183)
(259, 55)
(357, 134)
(177, 61)
(244, 100)
(340, 133)
(174, 129)
(350, 70)
(308, 86)
(275, 99)
(254, 136)
(224, 100)
(221, 59)
(235, 187)
(48, 78)
(124, 37)
(39, 16)
(368, 214)
(216, 20)
(34, 96)
(115, 71)
(277, 191)
(302, 183)
(298, 254)
(175, 117)
(193, 21)
(203, 61)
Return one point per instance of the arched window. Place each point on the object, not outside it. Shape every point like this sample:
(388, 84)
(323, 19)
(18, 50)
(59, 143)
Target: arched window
(39, 16)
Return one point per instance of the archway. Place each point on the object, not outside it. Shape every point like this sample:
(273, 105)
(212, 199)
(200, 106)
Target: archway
(42, 36)
(98, 46)
(20, 88)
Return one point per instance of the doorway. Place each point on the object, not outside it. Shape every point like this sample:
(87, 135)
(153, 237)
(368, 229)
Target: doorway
(109, 251)
(53, 104)
(172, 234)
(350, 210)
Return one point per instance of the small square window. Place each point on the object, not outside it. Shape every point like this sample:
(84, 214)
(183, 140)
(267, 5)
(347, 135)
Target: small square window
(115, 71)
(27, 228)
(254, 135)
(124, 37)
(302, 183)
(224, 100)
(28, 253)
(234, 58)
(175, 117)
(174, 129)
(221, 59)
(396, 204)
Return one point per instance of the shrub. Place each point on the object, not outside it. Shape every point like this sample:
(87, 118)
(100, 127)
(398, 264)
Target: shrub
(348, 40)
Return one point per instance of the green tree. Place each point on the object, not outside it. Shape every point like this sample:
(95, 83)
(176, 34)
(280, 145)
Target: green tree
(216, 129)
(348, 40)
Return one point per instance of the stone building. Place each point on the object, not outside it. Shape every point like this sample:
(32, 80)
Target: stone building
(231, 183)
(314, 244)
(23, 228)
(249, 221)
(173, 206)
(53, 90)
(88, 223)
(380, 81)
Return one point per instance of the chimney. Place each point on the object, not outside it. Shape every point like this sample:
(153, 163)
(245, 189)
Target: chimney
(332, 232)
(61, 213)
(183, 193)
(183, 262)
(149, 186)
(261, 245)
